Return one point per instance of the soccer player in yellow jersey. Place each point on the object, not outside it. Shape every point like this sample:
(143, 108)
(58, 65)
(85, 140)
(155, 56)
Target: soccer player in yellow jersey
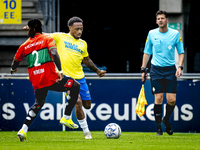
(73, 51)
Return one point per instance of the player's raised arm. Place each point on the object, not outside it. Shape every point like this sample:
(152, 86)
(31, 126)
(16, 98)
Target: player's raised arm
(27, 28)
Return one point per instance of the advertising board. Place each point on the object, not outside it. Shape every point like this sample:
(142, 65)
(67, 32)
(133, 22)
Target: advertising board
(112, 101)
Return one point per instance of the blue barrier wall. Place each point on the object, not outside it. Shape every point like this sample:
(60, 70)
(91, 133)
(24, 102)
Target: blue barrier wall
(112, 101)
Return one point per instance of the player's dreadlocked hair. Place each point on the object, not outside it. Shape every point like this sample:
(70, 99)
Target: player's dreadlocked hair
(74, 19)
(161, 12)
(34, 26)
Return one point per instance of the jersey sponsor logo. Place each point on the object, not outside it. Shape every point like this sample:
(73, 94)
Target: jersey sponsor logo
(34, 44)
(72, 47)
(69, 83)
(39, 71)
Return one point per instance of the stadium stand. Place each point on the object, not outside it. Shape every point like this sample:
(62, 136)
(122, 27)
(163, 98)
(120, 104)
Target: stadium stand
(12, 35)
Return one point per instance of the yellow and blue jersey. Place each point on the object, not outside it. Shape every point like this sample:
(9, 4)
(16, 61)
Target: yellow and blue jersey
(162, 46)
(71, 52)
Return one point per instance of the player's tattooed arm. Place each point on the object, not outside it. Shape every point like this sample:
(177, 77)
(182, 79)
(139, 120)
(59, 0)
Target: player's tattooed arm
(89, 63)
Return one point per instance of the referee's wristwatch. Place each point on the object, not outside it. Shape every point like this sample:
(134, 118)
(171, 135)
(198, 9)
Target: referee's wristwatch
(142, 70)
(180, 67)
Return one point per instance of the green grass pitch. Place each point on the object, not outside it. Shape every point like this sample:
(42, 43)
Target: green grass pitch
(72, 140)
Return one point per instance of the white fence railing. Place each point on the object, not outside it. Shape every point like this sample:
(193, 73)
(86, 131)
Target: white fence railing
(185, 76)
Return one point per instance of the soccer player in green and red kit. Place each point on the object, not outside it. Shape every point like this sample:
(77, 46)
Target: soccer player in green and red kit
(41, 54)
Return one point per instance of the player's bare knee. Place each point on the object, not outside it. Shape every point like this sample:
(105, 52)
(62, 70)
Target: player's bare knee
(171, 102)
(159, 99)
(87, 105)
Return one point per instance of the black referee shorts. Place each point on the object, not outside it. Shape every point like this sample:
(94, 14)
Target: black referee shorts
(163, 79)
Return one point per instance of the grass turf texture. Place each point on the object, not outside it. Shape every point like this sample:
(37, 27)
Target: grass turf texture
(75, 140)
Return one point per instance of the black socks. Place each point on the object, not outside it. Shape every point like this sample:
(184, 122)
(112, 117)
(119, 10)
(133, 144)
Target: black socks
(169, 110)
(158, 115)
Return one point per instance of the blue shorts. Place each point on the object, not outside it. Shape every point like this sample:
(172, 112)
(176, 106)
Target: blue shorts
(163, 79)
(84, 90)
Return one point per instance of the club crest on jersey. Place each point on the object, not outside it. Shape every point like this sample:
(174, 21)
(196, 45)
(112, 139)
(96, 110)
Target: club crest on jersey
(81, 43)
(169, 47)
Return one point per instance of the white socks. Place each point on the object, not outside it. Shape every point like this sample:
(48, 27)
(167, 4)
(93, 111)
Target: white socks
(67, 117)
(25, 128)
(84, 125)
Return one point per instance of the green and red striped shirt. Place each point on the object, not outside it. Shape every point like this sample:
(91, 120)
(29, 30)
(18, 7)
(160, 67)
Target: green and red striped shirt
(41, 68)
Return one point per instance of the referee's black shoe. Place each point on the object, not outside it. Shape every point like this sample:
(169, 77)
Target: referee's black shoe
(159, 131)
(167, 126)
